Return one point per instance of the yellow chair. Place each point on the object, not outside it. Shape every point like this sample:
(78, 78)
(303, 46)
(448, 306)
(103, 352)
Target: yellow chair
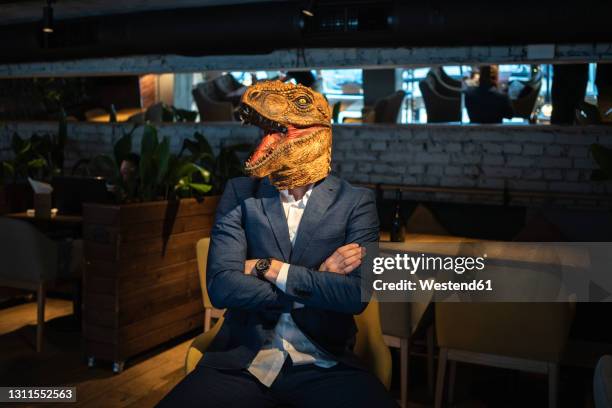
(370, 346)
(528, 337)
(209, 311)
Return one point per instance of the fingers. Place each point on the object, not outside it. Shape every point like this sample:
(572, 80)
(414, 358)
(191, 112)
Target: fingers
(351, 266)
(347, 248)
(351, 259)
(345, 259)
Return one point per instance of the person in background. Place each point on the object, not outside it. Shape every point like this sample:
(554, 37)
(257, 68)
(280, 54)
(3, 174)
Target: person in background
(568, 91)
(485, 103)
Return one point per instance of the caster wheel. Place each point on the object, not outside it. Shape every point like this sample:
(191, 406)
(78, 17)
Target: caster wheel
(91, 362)
(118, 367)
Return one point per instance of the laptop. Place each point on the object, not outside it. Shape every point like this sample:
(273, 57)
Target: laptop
(70, 192)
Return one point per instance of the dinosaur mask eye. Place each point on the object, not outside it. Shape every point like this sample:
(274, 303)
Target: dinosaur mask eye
(303, 102)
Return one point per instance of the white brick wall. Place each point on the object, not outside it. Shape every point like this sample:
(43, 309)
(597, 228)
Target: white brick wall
(311, 58)
(531, 158)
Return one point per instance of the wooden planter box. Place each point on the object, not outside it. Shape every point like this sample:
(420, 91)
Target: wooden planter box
(140, 282)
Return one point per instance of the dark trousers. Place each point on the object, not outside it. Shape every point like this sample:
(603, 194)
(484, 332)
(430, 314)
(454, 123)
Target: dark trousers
(306, 386)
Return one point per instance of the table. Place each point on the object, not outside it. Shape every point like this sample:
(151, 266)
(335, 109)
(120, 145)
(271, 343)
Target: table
(59, 226)
(421, 238)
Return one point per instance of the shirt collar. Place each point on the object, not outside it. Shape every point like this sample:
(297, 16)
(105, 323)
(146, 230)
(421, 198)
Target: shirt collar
(286, 197)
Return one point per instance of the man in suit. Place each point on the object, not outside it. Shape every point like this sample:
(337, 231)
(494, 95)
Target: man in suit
(485, 103)
(284, 261)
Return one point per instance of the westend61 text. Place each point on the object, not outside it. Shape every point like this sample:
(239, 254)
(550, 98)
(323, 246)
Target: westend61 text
(432, 285)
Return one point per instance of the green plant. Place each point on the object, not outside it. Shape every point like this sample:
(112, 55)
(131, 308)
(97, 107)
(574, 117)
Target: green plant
(224, 166)
(40, 156)
(154, 173)
(26, 162)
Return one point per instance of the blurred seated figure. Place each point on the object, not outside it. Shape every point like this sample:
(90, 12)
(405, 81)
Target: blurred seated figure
(485, 103)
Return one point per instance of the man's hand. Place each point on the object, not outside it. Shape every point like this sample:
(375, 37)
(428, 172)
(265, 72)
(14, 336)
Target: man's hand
(344, 260)
(249, 266)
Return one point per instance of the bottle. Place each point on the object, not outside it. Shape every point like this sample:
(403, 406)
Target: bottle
(397, 226)
(113, 114)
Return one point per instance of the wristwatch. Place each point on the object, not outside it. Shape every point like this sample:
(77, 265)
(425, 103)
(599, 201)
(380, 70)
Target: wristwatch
(262, 266)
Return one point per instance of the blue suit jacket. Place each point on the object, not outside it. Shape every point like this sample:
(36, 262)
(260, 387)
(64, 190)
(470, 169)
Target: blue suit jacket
(250, 224)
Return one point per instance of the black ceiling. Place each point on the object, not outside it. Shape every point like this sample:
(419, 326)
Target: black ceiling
(265, 26)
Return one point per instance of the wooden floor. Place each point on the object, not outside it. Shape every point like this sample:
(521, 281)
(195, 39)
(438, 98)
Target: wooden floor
(145, 380)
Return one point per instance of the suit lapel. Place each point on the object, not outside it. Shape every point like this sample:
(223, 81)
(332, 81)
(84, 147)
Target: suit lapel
(276, 216)
(323, 194)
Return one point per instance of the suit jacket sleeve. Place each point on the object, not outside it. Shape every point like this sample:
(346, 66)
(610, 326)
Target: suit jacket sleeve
(333, 291)
(228, 286)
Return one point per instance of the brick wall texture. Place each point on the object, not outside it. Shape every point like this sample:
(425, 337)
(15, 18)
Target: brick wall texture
(512, 158)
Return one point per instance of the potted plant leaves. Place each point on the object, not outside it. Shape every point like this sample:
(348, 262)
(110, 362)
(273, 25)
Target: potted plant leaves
(141, 286)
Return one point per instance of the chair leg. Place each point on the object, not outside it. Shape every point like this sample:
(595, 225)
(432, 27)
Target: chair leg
(404, 356)
(452, 375)
(553, 384)
(207, 318)
(430, 359)
(442, 358)
(40, 321)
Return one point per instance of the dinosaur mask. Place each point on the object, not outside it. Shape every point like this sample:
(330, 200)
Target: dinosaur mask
(296, 147)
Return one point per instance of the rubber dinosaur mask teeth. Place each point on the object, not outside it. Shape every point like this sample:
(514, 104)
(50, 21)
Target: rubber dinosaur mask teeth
(296, 147)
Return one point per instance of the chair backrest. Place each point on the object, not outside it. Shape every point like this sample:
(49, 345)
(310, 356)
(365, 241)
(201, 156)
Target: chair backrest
(209, 107)
(226, 84)
(387, 109)
(28, 256)
(446, 79)
(155, 113)
(202, 255)
(439, 108)
(441, 87)
(531, 330)
(370, 345)
(524, 105)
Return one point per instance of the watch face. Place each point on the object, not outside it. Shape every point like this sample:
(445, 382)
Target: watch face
(262, 265)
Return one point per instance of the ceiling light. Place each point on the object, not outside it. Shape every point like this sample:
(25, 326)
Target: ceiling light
(48, 17)
(309, 9)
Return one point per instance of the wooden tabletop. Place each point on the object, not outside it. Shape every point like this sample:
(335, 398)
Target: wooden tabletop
(421, 238)
(60, 218)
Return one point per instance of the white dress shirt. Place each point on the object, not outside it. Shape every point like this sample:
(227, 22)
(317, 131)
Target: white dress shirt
(287, 339)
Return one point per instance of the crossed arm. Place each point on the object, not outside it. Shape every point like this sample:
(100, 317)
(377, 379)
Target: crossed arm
(336, 285)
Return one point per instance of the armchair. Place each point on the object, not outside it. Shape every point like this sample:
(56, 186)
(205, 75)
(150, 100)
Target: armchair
(210, 105)
(30, 262)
